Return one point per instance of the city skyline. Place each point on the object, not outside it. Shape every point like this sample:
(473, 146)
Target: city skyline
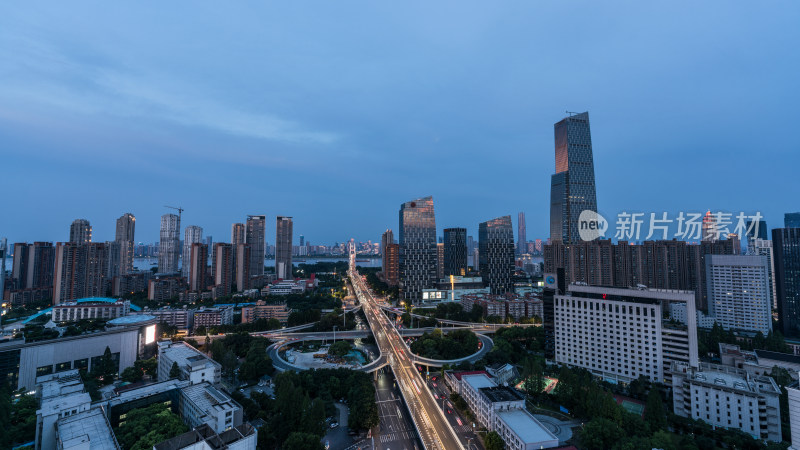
(72, 104)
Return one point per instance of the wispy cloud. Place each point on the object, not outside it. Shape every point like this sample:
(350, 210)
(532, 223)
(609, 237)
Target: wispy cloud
(39, 72)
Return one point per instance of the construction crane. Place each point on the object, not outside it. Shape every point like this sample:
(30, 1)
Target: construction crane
(178, 208)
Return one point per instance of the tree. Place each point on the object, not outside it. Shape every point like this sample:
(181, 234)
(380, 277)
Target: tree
(302, 441)
(145, 427)
(131, 375)
(174, 371)
(654, 411)
(600, 434)
(494, 441)
(339, 349)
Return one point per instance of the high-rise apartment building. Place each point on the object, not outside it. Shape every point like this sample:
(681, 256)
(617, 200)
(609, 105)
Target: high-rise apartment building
(496, 254)
(386, 238)
(255, 236)
(241, 266)
(283, 247)
(238, 234)
(572, 187)
(756, 230)
(392, 269)
(522, 231)
(418, 254)
(739, 292)
(455, 251)
(621, 334)
(79, 271)
(709, 231)
(169, 243)
(439, 260)
(3, 251)
(786, 250)
(192, 234)
(80, 232)
(124, 237)
(791, 220)
(33, 266)
(222, 269)
(762, 247)
(197, 265)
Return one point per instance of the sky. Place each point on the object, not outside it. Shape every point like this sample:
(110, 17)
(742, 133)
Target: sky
(337, 112)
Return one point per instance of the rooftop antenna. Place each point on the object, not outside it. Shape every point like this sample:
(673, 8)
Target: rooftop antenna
(178, 208)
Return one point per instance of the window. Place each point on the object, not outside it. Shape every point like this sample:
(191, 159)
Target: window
(44, 370)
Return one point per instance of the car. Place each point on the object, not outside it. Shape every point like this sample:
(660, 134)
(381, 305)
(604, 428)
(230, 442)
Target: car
(449, 411)
(334, 424)
(327, 445)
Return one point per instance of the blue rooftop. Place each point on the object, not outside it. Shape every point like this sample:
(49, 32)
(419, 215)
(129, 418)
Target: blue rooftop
(131, 320)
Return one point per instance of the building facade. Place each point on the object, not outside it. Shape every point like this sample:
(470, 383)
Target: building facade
(209, 317)
(739, 292)
(621, 334)
(80, 232)
(255, 235)
(392, 270)
(197, 263)
(786, 250)
(73, 311)
(386, 238)
(729, 398)
(496, 254)
(261, 310)
(522, 231)
(418, 252)
(222, 269)
(194, 365)
(125, 239)
(192, 234)
(169, 243)
(455, 251)
(283, 247)
(80, 271)
(572, 187)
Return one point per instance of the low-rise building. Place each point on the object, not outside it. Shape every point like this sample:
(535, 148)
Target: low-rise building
(453, 378)
(182, 318)
(727, 397)
(86, 430)
(209, 317)
(506, 305)
(243, 437)
(194, 365)
(261, 310)
(60, 395)
(74, 311)
(131, 283)
(502, 409)
(203, 404)
(758, 362)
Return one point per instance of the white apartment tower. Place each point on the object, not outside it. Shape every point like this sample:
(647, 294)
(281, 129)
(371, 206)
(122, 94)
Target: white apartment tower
(739, 292)
(169, 244)
(192, 235)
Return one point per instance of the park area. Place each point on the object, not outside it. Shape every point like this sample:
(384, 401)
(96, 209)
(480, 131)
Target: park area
(549, 384)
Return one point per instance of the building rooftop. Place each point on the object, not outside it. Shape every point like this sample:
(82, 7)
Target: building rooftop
(72, 400)
(478, 381)
(88, 430)
(184, 354)
(57, 384)
(207, 398)
(206, 435)
(146, 391)
(501, 394)
(459, 375)
(526, 426)
(131, 320)
(777, 356)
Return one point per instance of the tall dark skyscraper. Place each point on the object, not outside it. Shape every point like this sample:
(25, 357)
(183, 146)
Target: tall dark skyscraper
(572, 188)
(255, 235)
(791, 220)
(124, 236)
(237, 234)
(496, 254)
(283, 247)
(455, 251)
(418, 254)
(522, 239)
(786, 251)
(386, 238)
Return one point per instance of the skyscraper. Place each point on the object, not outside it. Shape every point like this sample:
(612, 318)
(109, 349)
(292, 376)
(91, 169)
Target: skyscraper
(572, 187)
(440, 260)
(418, 255)
(496, 254)
(79, 271)
(255, 236)
(386, 238)
(169, 244)
(238, 234)
(455, 251)
(241, 266)
(283, 247)
(791, 220)
(3, 250)
(222, 269)
(757, 230)
(80, 232)
(192, 234)
(33, 265)
(522, 240)
(197, 263)
(392, 269)
(763, 247)
(786, 250)
(126, 227)
(709, 228)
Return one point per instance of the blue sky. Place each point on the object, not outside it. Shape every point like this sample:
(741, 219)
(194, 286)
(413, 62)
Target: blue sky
(336, 112)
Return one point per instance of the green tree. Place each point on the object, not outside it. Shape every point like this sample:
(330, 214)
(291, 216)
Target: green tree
(302, 441)
(600, 434)
(340, 348)
(174, 371)
(654, 410)
(494, 441)
(145, 427)
(131, 375)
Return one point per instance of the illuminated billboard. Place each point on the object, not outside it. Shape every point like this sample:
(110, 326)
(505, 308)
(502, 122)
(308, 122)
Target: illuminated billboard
(149, 334)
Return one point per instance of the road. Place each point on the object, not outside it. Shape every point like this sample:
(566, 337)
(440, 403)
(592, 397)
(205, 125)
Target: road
(460, 424)
(395, 430)
(434, 429)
